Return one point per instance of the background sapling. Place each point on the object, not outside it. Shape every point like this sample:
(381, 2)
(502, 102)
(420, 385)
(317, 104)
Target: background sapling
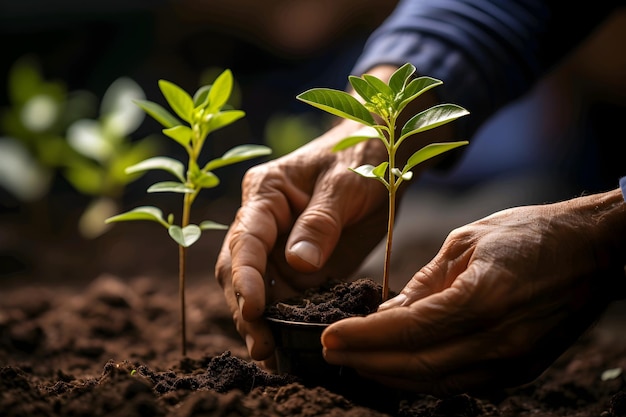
(386, 101)
(201, 114)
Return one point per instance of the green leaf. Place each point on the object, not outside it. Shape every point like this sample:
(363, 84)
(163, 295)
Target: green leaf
(433, 117)
(359, 136)
(201, 97)
(159, 162)
(420, 85)
(399, 78)
(211, 225)
(220, 91)
(430, 151)
(224, 118)
(170, 186)
(371, 171)
(237, 154)
(416, 88)
(206, 180)
(338, 103)
(158, 113)
(379, 171)
(349, 142)
(140, 213)
(379, 85)
(178, 99)
(181, 134)
(363, 88)
(185, 236)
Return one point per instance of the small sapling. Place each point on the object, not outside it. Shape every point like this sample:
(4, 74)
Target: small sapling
(379, 111)
(201, 115)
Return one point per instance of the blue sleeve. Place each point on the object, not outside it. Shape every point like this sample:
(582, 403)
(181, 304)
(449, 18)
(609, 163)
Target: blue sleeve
(487, 52)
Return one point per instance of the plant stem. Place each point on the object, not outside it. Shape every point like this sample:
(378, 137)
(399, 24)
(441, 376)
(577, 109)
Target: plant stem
(182, 254)
(387, 264)
(392, 185)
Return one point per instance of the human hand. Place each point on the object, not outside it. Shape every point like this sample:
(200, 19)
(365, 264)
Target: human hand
(304, 219)
(503, 298)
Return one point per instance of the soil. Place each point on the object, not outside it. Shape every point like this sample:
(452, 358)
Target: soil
(77, 341)
(331, 302)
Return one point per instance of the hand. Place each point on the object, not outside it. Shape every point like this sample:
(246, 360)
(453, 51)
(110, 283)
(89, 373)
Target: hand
(296, 211)
(503, 298)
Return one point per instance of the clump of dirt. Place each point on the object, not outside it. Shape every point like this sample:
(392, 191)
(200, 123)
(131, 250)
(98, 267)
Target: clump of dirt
(329, 303)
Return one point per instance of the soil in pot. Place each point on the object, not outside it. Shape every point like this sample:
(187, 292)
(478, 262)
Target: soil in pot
(297, 325)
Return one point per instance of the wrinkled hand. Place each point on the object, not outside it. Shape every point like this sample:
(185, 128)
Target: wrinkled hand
(503, 298)
(296, 211)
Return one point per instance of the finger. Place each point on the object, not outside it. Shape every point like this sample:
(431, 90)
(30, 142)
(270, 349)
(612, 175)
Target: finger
(416, 289)
(426, 364)
(258, 338)
(434, 277)
(510, 353)
(250, 240)
(255, 333)
(313, 238)
(452, 367)
(429, 321)
(339, 198)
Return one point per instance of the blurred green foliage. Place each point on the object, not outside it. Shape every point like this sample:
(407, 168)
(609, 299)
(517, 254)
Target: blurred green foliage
(48, 130)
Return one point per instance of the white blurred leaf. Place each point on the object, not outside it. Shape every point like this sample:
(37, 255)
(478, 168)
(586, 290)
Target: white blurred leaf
(86, 137)
(120, 114)
(20, 173)
(40, 113)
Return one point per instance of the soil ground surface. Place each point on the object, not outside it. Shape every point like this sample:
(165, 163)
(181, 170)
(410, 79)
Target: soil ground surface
(95, 332)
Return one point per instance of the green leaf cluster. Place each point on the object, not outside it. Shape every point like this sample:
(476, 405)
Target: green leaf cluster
(192, 120)
(387, 101)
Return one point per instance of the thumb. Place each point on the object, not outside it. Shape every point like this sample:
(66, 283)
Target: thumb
(313, 237)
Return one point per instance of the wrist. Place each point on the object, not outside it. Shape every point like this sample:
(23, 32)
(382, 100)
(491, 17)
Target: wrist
(605, 214)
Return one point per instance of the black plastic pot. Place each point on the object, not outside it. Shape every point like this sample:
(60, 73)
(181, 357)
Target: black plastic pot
(299, 350)
(299, 353)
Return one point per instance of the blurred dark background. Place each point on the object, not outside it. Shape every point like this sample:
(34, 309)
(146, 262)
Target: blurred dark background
(275, 48)
(563, 135)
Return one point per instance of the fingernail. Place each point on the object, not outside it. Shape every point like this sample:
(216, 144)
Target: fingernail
(396, 301)
(332, 342)
(240, 302)
(308, 252)
(249, 343)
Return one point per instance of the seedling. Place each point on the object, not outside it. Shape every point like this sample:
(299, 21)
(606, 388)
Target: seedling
(386, 101)
(201, 115)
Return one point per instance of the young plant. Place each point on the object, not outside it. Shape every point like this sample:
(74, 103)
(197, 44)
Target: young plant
(201, 115)
(386, 101)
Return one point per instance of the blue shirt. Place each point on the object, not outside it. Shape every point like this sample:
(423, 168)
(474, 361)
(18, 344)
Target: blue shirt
(486, 52)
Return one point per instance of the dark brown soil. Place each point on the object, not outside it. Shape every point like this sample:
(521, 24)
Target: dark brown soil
(330, 303)
(73, 344)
